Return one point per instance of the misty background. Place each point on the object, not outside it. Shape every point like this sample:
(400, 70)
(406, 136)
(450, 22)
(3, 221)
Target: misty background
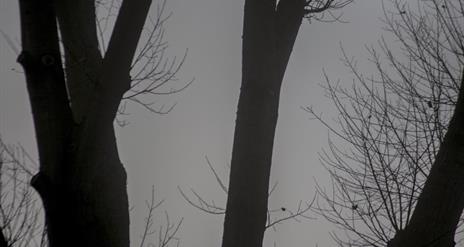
(168, 151)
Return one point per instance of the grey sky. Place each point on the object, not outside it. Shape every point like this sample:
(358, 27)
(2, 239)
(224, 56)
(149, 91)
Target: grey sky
(168, 151)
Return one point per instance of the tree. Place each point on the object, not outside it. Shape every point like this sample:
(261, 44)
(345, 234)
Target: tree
(401, 177)
(20, 209)
(81, 180)
(269, 32)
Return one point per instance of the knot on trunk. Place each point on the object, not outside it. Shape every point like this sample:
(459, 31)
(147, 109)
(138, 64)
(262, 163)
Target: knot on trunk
(43, 185)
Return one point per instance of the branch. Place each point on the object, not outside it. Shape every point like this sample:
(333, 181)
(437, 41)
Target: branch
(153, 73)
(212, 208)
(289, 15)
(316, 9)
(299, 213)
(167, 233)
(115, 79)
(82, 56)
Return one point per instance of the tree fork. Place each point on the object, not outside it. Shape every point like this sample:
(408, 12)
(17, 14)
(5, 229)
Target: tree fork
(81, 180)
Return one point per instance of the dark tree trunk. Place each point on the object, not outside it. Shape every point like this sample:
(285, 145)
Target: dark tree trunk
(3, 242)
(440, 205)
(269, 33)
(81, 180)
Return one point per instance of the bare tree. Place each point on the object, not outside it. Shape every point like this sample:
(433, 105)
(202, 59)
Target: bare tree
(270, 28)
(399, 178)
(20, 210)
(81, 180)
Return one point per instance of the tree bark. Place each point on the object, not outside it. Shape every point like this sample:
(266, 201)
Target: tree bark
(269, 32)
(81, 180)
(440, 205)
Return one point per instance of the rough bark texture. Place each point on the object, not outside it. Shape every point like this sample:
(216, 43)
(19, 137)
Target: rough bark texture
(440, 205)
(269, 32)
(81, 180)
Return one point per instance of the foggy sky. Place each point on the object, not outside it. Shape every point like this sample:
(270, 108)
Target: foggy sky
(169, 151)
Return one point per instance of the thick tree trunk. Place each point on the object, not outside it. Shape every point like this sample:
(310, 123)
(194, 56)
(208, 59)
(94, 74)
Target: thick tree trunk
(440, 205)
(81, 180)
(89, 206)
(268, 37)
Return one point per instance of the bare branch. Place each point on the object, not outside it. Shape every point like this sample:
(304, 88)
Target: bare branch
(166, 233)
(390, 126)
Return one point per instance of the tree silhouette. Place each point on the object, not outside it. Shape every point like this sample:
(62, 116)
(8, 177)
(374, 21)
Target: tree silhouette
(400, 177)
(269, 31)
(81, 180)
(20, 209)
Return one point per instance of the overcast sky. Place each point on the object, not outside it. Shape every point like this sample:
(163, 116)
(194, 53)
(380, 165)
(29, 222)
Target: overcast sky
(169, 151)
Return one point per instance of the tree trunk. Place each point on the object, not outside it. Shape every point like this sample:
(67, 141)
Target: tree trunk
(3, 242)
(89, 206)
(440, 205)
(81, 180)
(268, 37)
